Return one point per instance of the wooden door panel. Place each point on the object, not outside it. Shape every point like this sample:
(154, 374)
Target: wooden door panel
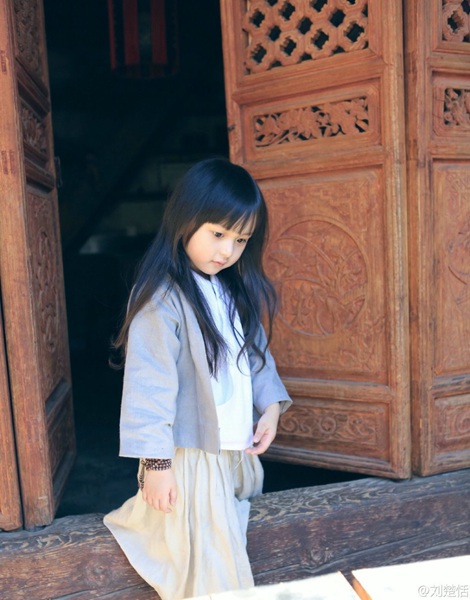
(314, 98)
(451, 216)
(10, 504)
(50, 332)
(328, 257)
(31, 268)
(449, 416)
(439, 183)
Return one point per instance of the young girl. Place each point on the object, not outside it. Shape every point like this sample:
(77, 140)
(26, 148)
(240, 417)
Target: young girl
(197, 374)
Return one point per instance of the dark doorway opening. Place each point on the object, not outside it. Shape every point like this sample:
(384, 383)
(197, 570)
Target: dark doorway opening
(122, 144)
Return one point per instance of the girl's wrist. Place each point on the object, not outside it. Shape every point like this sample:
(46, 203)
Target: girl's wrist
(152, 464)
(274, 408)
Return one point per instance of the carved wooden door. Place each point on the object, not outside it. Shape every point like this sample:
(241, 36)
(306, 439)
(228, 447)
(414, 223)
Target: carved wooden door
(31, 273)
(438, 60)
(315, 111)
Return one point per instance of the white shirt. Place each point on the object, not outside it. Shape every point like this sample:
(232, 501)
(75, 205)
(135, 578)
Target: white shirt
(232, 388)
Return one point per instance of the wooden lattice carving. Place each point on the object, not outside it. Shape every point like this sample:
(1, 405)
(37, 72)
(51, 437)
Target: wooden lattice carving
(288, 32)
(346, 118)
(456, 20)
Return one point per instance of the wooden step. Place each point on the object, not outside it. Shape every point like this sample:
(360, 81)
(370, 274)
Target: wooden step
(292, 535)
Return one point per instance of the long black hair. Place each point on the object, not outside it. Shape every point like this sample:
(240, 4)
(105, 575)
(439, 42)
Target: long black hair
(212, 191)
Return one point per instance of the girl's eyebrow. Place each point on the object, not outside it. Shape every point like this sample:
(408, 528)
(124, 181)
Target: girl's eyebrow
(247, 233)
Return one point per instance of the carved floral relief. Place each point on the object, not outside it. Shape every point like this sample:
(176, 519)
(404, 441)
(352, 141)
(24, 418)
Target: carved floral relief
(47, 286)
(344, 118)
(28, 28)
(326, 425)
(457, 108)
(46, 281)
(322, 275)
(451, 110)
(34, 131)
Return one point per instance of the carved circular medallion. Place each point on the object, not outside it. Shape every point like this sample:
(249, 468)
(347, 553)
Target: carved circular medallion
(322, 277)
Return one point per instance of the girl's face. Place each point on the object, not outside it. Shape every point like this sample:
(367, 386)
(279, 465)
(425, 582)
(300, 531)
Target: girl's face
(213, 248)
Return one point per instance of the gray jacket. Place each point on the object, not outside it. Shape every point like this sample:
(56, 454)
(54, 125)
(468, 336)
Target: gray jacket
(167, 396)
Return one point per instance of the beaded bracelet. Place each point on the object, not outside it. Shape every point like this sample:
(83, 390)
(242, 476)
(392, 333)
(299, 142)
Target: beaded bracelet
(156, 464)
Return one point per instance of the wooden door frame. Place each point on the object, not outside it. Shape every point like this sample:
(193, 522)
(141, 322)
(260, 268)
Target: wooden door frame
(31, 268)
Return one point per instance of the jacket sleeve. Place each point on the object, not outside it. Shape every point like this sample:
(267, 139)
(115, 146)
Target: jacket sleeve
(267, 385)
(150, 383)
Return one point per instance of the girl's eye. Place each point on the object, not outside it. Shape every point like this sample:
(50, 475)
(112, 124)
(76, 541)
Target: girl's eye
(242, 241)
(218, 234)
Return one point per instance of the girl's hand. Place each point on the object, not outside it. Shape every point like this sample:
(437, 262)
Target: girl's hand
(159, 490)
(266, 429)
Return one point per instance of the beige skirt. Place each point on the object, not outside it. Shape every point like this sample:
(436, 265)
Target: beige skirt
(200, 547)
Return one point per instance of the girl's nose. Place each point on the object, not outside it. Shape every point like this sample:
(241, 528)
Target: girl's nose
(227, 249)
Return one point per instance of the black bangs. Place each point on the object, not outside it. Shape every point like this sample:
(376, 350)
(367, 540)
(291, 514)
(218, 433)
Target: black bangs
(231, 214)
(244, 223)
